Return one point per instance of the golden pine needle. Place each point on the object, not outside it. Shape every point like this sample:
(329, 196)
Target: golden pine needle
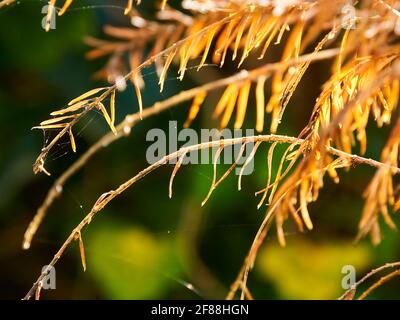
(239, 35)
(195, 107)
(174, 172)
(242, 104)
(52, 126)
(246, 163)
(165, 69)
(186, 53)
(102, 108)
(38, 291)
(128, 7)
(212, 187)
(86, 95)
(282, 30)
(274, 186)
(65, 7)
(223, 100)
(112, 107)
(268, 42)
(210, 36)
(223, 42)
(269, 164)
(82, 251)
(55, 120)
(252, 34)
(339, 60)
(134, 63)
(303, 204)
(229, 107)
(163, 4)
(72, 139)
(279, 230)
(72, 108)
(227, 172)
(260, 104)
(265, 30)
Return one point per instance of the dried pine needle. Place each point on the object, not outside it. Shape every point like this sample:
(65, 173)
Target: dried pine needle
(260, 103)
(112, 107)
(174, 172)
(210, 36)
(72, 139)
(128, 7)
(103, 110)
(195, 107)
(246, 163)
(65, 7)
(167, 64)
(138, 94)
(269, 164)
(82, 251)
(75, 107)
(52, 126)
(304, 189)
(86, 95)
(55, 120)
(224, 100)
(242, 104)
(230, 105)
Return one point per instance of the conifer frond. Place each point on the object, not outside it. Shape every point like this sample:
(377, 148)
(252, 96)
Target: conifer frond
(363, 83)
(380, 193)
(342, 160)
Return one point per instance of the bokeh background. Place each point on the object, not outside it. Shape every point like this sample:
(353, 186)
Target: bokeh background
(144, 245)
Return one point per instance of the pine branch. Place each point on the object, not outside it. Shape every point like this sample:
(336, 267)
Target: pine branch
(124, 128)
(105, 198)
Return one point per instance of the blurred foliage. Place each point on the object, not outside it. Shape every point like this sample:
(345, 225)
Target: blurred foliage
(130, 262)
(307, 270)
(144, 245)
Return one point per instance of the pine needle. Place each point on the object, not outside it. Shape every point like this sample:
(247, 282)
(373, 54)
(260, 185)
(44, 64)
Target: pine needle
(86, 95)
(72, 139)
(82, 251)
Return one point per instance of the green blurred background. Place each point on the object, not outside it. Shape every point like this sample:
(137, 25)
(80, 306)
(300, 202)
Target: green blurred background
(144, 245)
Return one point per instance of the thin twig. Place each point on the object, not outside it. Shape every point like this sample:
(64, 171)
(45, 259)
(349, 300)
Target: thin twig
(369, 275)
(380, 282)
